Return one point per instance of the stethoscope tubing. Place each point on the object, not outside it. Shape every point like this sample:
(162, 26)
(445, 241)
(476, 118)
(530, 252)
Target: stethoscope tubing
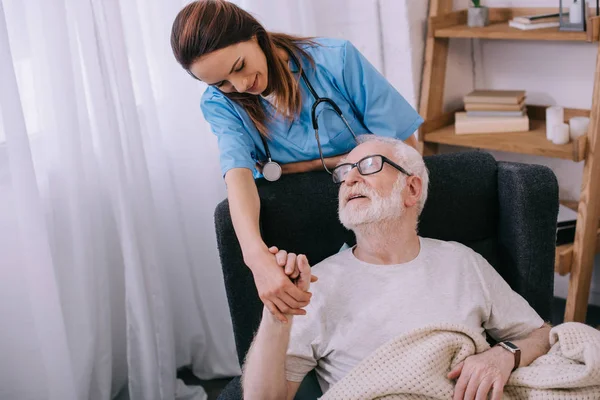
(273, 165)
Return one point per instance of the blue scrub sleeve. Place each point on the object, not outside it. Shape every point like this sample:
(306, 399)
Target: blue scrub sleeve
(382, 109)
(235, 144)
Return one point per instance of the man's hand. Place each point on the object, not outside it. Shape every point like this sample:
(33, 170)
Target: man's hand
(306, 277)
(296, 267)
(282, 256)
(277, 292)
(479, 374)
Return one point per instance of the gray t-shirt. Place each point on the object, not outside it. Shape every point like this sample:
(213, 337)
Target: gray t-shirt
(357, 307)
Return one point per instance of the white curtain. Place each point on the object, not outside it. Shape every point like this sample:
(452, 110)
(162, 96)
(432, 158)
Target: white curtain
(109, 273)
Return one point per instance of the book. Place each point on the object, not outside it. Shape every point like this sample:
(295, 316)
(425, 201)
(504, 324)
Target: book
(528, 27)
(494, 107)
(535, 22)
(539, 18)
(495, 113)
(468, 125)
(495, 96)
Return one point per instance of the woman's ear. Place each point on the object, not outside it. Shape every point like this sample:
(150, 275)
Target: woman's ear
(414, 188)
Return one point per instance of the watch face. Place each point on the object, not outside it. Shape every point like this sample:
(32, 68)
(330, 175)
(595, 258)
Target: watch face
(511, 346)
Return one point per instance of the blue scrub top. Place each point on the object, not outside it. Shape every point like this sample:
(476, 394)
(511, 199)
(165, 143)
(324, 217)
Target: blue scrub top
(367, 100)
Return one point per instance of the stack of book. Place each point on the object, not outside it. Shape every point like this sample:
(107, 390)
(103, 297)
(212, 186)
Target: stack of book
(493, 111)
(540, 21)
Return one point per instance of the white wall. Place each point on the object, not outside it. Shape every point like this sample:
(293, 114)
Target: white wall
(403, 28)
(550, 72)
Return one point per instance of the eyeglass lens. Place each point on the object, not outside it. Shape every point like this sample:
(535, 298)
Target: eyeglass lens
(366, 166)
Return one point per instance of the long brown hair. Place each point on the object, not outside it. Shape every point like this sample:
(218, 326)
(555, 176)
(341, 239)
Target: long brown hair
(204, 26)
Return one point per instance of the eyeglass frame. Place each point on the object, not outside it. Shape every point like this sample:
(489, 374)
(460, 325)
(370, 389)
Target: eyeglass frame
(384, 160)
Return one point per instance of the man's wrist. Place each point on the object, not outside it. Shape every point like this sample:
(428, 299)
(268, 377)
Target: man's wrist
(508, 357)
(269, 318)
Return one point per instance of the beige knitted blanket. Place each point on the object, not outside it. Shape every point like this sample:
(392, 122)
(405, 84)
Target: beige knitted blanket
(415, 365)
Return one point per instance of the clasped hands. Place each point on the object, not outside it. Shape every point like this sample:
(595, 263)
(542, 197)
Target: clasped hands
(283, 280)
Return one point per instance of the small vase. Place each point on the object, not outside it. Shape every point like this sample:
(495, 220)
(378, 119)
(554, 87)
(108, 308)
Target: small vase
(478, 17)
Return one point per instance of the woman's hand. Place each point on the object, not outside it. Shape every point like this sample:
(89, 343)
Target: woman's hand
(276, 290)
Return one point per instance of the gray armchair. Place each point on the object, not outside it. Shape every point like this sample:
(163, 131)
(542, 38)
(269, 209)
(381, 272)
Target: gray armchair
(505, 211)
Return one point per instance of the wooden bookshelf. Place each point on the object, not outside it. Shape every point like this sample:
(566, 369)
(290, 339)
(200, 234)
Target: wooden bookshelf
(454, 25)
(564, 256)
(564, 253)
(576, 259)
(533, 142)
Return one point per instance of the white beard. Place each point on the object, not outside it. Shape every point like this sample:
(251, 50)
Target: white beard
(378, 208)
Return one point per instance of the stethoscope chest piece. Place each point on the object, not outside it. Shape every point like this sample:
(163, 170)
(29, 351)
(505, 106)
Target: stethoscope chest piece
(271, 171)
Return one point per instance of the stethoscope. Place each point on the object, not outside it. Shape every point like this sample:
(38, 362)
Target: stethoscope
(272, 170)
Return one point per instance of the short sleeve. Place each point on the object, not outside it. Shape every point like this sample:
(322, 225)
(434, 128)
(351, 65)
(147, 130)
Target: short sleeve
(302, 350)
(236, 147)
(382, 109)
(510, 315)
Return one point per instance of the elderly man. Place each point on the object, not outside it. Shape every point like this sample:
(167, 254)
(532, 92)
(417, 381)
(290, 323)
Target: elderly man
(391, 282)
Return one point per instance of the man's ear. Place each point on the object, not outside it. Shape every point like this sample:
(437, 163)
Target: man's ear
(414, 187)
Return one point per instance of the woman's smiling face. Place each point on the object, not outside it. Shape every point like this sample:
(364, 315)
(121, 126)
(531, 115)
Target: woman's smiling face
(240, 67)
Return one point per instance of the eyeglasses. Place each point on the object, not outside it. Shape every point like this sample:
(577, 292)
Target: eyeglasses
(367, 166)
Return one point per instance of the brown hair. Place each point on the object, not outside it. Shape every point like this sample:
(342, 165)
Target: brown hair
(204, 26)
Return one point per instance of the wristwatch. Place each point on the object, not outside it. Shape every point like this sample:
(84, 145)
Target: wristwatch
(513, 349)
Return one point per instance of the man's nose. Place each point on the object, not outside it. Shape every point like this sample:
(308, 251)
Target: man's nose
(353, 176)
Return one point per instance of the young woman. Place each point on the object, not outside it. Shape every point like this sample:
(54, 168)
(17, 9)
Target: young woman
(258, 103)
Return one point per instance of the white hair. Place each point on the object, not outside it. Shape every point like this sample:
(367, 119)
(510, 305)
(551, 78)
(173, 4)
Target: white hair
(408, 158)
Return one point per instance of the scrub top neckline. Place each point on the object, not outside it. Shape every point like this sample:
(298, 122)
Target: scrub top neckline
(293, 69)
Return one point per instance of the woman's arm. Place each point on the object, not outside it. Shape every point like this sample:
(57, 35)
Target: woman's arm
(312, 165)
(331, 162)
(275, 288)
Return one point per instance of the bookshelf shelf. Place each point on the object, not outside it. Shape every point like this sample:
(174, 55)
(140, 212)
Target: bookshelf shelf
(501, 30)
(533, 142)
(454, 25)
(575, 259)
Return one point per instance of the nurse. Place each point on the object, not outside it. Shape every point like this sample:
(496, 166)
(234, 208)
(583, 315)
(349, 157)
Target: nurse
(255, 89)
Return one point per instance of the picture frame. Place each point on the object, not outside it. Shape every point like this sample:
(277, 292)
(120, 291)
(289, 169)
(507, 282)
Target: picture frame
(566, 18)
